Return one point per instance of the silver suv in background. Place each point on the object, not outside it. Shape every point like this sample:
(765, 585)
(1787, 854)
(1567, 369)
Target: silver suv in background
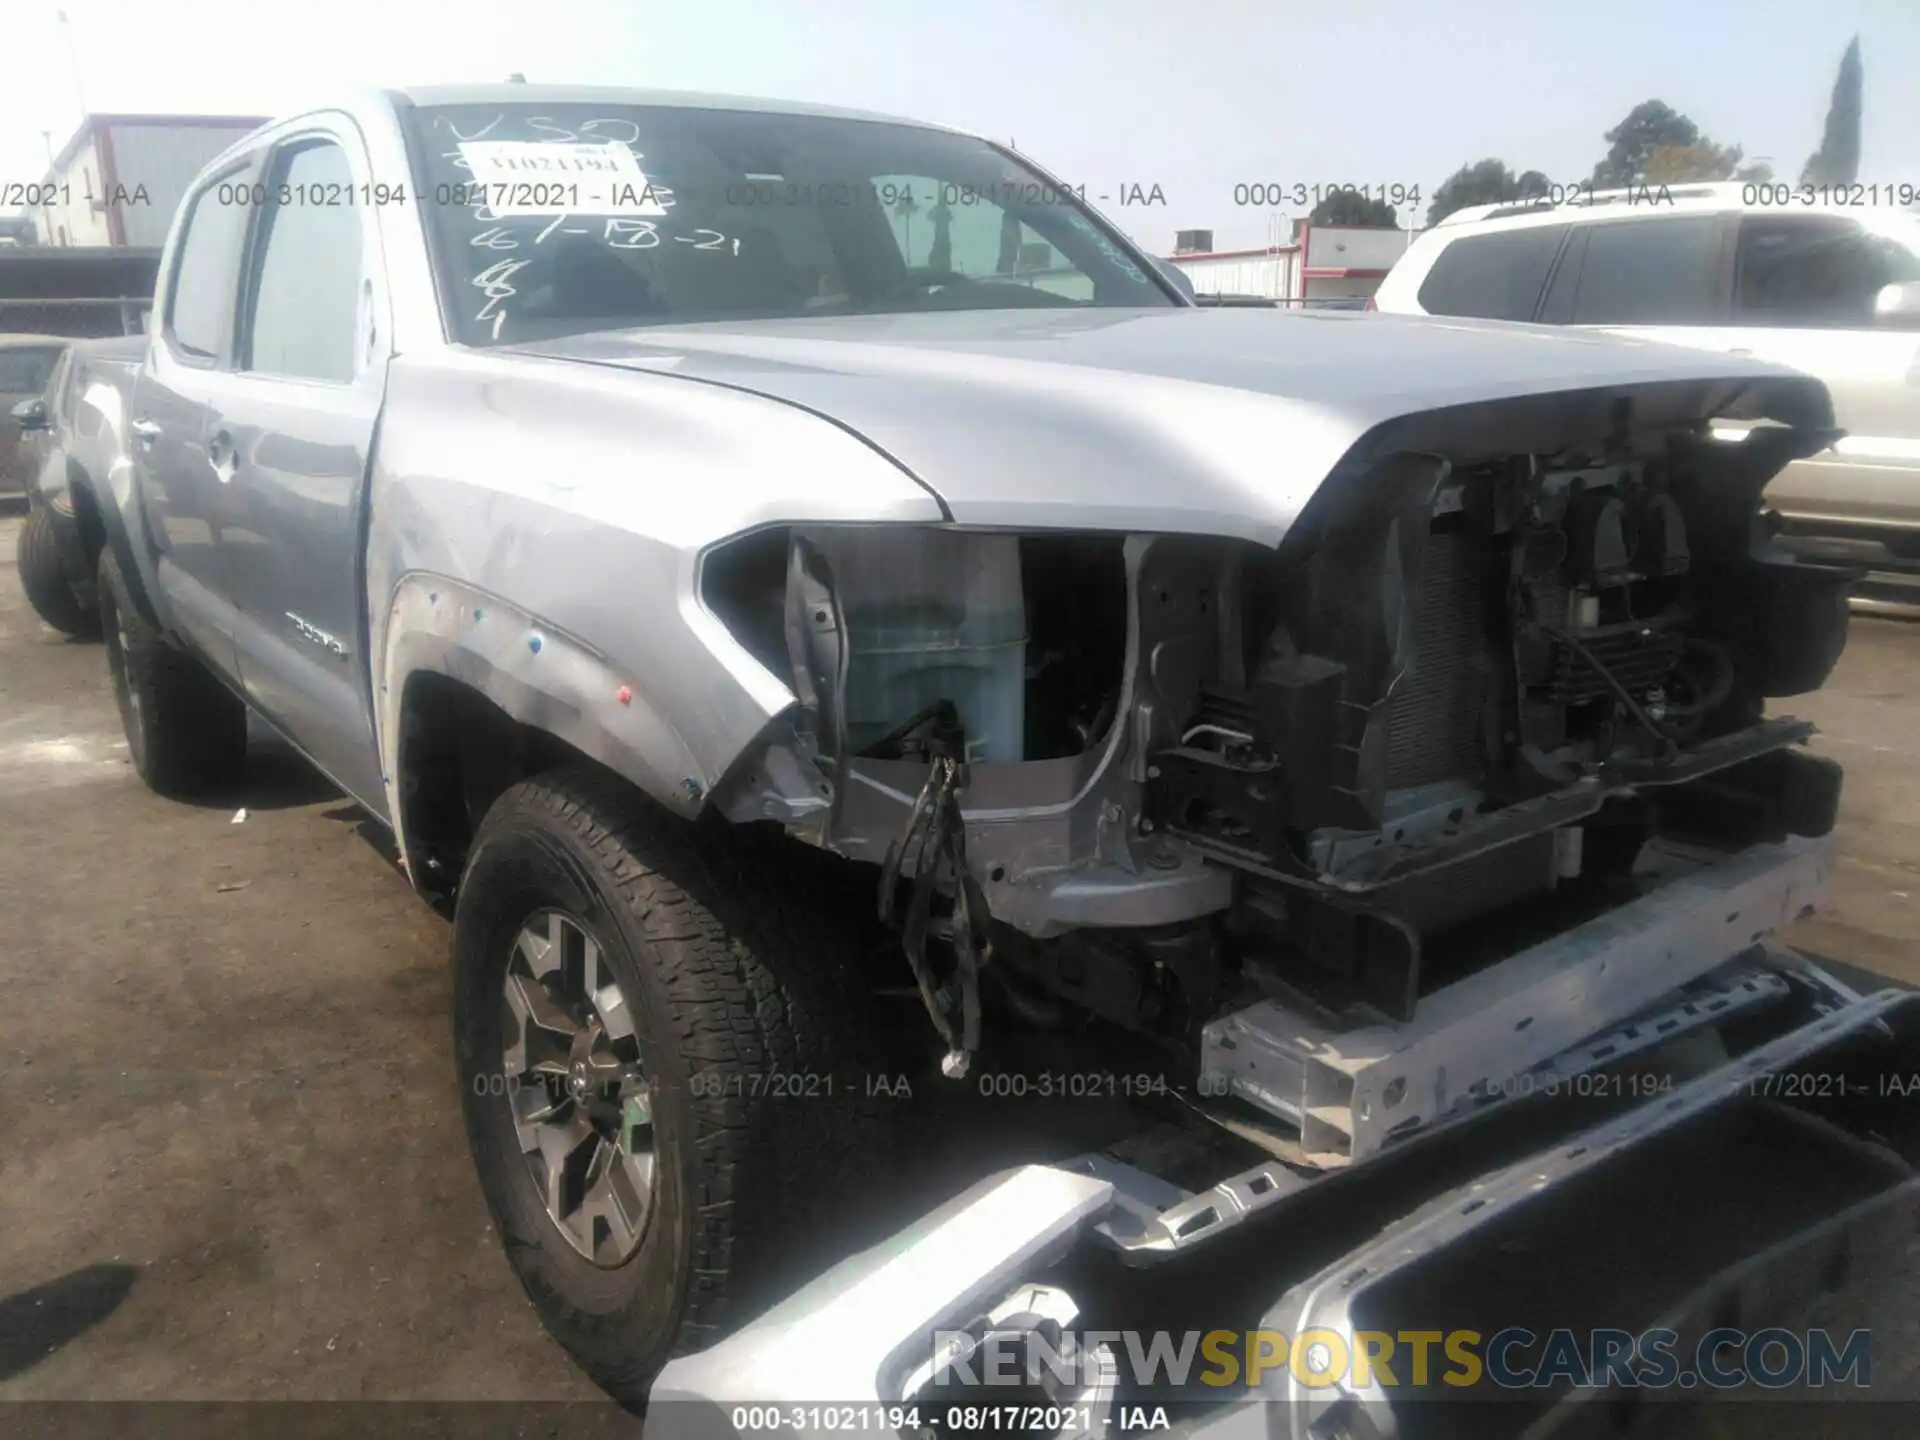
(1768, 270)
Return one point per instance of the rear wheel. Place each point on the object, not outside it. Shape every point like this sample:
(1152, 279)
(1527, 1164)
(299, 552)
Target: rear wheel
(44, 578)
(185, 730)
(655, 1066)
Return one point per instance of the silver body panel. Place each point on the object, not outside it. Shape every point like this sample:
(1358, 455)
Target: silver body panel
(518, 482)
(845, 1339)
(823, 1344)
(89, 445)
(1333, 1297)
(1171, 421)
(532, 520)
(94, 434)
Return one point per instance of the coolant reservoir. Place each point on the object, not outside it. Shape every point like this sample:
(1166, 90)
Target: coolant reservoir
(932, 615)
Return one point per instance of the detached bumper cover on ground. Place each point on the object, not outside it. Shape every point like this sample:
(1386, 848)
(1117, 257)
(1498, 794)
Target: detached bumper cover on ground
(1751, 1209)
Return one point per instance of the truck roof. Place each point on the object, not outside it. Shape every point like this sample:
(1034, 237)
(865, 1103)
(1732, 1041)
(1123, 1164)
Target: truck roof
(513, 92)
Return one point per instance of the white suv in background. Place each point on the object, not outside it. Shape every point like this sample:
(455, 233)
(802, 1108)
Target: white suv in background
(1744, 269)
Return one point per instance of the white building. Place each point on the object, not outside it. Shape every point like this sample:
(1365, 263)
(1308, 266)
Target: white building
(121, 177)
(1321, 262)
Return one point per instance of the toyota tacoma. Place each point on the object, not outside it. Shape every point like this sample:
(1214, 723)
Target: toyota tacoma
(669, 515)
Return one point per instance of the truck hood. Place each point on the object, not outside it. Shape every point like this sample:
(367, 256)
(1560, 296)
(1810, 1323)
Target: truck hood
(1188, 420)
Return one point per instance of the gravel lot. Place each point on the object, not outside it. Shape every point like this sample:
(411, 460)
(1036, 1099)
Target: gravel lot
(232, 1133)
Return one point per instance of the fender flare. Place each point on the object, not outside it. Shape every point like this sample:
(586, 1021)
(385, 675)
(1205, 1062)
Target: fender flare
(115, 527)
(112, 489)
(536, 673)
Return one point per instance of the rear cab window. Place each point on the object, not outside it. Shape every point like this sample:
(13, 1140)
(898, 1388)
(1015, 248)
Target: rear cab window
(1496, 276)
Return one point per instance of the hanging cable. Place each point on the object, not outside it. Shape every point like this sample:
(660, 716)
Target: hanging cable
(935, 836)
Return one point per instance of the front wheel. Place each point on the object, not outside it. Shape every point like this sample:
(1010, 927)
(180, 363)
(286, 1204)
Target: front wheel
(653, 1062)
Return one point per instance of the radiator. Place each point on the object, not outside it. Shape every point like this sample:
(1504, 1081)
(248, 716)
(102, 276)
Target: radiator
(1435, 716)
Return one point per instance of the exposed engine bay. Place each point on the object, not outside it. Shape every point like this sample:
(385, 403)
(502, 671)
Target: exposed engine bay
(1471, 701)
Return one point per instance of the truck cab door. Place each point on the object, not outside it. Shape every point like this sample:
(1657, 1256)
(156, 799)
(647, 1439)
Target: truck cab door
(182, 489)
(293, 421)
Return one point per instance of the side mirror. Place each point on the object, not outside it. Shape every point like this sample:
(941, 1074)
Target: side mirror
(31, 414)
(1175, 276)
(1897, 307)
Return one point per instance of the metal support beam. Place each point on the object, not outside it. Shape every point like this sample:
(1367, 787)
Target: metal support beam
(1350, 1091)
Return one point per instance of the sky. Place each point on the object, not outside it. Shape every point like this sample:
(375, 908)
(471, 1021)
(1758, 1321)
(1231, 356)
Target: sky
(1195, 98)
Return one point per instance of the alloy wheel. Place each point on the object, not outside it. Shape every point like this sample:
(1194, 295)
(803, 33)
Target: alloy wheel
(582, 1106)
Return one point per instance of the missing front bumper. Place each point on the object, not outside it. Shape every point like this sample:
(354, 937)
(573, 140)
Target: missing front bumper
(1349, 1090)
(1523, 1233)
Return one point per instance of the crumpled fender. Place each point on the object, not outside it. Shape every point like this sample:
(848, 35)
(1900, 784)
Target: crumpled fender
(536, 531)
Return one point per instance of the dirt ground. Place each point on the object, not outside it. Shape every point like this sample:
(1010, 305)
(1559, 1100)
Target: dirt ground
(232, 1146)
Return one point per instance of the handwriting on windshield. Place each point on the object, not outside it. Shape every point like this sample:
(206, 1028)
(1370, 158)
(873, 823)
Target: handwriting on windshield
(618, 234)
(562, 203)
(454, 130)
(496, 283)
(612, 127)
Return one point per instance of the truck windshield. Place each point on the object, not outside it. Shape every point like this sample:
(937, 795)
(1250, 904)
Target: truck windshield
(550, 220)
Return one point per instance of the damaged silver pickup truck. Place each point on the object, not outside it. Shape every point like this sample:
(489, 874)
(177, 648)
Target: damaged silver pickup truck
(618, 494)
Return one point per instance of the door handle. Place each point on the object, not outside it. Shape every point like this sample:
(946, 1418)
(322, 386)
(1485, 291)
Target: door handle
(145, 432)
(221, 457)
(1740, 352)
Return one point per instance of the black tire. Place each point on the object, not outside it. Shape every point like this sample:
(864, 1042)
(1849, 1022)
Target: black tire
(44, 578)
(186, 732)
(732, 977)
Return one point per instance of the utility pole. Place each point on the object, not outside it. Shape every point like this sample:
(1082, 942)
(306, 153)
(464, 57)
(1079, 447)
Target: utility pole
(73, 61)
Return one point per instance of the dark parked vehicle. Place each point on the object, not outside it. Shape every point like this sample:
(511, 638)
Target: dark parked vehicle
(55, 570)
(26, 365)
(69, 451)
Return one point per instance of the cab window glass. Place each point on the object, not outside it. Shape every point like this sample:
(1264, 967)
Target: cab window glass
(304, 299)
(204, 275)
